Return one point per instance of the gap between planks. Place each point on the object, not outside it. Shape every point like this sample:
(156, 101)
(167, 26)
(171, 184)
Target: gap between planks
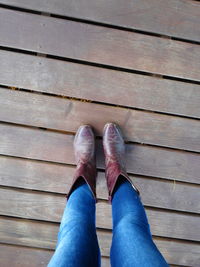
(140, 92)
(99, 65)
(35, 9)
(57, 179)
(43, 207)
(153, 50)
(45, 235)
(67, 115)
(58, 147)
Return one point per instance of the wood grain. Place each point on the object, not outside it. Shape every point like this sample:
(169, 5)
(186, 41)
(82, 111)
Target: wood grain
(98, 84)
(174, 17)
(58, 147)
(57, 178)
(99, 44)
(49, 207)
(40, 235)
(47, 156)
(138, 126)
(15, 256)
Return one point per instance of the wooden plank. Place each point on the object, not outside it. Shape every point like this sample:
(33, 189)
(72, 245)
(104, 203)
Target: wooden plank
(44, 235)
(12, 255)
(82, 81)
(137, 126)
(57, 178)
(161, 222)
(179, 18)
(40, 234)
(182, 251)
(49, 207)
(15, 256)
(58, 147)
(99, 44)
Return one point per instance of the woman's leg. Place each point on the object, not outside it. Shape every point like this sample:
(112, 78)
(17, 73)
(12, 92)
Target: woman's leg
(132, 244)
(77, 241)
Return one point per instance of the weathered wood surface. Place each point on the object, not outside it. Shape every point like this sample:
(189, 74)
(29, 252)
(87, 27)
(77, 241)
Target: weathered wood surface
(40, 234)
(49, 207)
(43, 176)
(15, 256)
(99, 44)
(138, 126)
(179, 18)
(36, 165)
(98, 84)
(44, 235)
(58, 147)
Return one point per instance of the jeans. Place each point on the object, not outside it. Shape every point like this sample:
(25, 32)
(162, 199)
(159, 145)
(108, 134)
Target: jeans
(132, 244)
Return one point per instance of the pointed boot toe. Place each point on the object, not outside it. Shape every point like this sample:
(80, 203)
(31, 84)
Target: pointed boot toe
(114, 150)
(84, 150)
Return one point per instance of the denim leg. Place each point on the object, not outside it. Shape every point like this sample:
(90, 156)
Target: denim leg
(77, 244)
(132, 244)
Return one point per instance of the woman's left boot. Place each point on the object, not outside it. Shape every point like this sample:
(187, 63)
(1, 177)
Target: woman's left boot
(114, 150)
(84, 149)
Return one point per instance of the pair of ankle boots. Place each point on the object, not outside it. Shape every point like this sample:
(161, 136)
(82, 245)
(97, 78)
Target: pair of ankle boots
(114, 150)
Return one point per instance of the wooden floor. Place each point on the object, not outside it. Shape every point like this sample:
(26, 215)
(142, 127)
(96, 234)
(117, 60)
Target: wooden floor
(67, 63)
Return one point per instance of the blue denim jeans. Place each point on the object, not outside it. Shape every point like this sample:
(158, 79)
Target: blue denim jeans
(132, 243)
